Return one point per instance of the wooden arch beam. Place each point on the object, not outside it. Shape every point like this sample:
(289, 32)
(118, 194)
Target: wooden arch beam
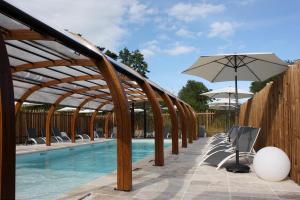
(174, 121)
(93, 117)
(57, 102)
(121, 108)
(35, 88)
(76, 113)
(53, 63)
(7, 128)
(183, 123)
(189, 123)
(106, 124)
(196, 124)
(193, 116)
(158, 123)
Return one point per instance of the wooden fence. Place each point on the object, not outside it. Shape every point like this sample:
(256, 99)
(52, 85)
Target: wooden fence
(276, 109)
(62, 121)
(214, 122)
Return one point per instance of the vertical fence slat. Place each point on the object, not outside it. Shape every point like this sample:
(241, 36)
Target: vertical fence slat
(276, 110)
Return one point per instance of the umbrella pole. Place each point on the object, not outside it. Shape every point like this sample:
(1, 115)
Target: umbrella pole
(237, 167)
(229, 113)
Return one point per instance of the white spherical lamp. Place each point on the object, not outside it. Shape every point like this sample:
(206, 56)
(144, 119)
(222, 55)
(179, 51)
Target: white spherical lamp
(271, 164)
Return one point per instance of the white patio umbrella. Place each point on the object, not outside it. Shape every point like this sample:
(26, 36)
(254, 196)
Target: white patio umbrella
(234, 67)
(228, 93)
(237, 66)
(222, 101)
(221, 107)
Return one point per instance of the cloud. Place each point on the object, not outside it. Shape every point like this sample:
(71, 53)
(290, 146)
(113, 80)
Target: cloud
(150, 48)
(165, 24)
(244, 2)
(222, 29)
(138, 12)
(188, 12)
(182, 32)
(179, 49)
(102, 22)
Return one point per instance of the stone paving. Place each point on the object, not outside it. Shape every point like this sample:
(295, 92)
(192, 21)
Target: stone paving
(183, 178)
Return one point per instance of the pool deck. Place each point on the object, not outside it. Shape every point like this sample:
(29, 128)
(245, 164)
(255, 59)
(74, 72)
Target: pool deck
(23, 149)
(183, 178)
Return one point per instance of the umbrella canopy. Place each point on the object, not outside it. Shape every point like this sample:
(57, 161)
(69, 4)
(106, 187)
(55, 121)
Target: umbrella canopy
(221, 107)
(227, 92)
(237, 66)
(248, 67)
(221, 101)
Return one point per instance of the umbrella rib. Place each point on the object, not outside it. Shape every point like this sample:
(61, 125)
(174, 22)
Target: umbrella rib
(225, 64)
(229, 58)
(202, 65)
(221, 70)
(241, 59)
(253, 72)
(244, 64)
(218, 74)
(269, 62)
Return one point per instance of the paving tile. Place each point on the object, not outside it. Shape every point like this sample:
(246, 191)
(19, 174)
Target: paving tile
(251, 198)
(183, 178)
(205, 196)
(289, 195)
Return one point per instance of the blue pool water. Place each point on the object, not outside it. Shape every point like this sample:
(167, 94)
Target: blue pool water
(47, 175)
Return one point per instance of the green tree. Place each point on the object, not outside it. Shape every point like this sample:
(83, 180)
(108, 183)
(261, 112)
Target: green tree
(111, 54)
(134, 59)
(125, 57)
(190, 93)
(108, 53)
(256, 86)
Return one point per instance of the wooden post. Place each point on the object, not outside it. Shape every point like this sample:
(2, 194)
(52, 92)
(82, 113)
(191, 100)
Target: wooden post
(73, 124)
(93, 117)
(206, 121)
(183, 123)
(106, 125)
(194, 123)
(145, 119)
(189, 123)
(121, 108)
(173, 117)
(48, 124)
(132, 119)
(7, 128)
(158, 123)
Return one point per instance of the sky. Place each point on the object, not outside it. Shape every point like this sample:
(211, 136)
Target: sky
(173, 34)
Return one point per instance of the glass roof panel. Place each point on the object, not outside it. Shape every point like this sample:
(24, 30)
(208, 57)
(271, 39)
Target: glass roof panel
(86, 70)
(27, 75)
(32, 49)
(9, 23)
(68, 70)
(13, 51)
(51, 73)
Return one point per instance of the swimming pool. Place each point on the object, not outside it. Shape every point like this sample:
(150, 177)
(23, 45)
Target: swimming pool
(49, 174)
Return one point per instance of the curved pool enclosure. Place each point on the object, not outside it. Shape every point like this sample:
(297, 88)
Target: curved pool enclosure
(49, 174)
